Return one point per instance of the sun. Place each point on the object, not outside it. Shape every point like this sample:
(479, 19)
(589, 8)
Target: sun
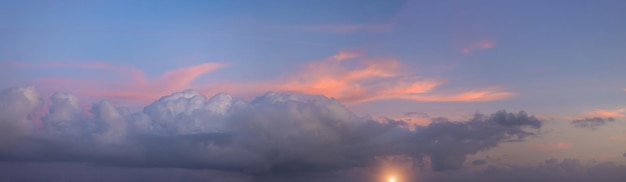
(392, 179)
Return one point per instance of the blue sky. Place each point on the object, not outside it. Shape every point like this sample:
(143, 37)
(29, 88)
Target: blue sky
(560, 60)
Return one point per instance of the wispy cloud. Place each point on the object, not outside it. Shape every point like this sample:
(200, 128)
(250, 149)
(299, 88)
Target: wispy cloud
(136, 88)
(551, 146)
(147, 90)
(613, 113)
(347, 76)
(348, 79)
(487, 44)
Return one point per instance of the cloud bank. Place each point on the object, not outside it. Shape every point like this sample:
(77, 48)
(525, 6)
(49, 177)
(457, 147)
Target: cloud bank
(272, 135)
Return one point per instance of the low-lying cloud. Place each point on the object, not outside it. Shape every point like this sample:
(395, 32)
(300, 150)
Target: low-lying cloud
(274, 134)
(591, 123)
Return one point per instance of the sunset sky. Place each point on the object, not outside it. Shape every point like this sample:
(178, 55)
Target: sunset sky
(324, 90)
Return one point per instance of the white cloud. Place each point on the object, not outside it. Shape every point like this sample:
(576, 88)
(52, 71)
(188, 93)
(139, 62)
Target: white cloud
(276, 133)
(16, 106)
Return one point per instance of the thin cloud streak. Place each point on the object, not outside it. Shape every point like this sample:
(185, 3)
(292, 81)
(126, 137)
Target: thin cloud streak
(353, 78)
(551, 146)
(612, 113)
(488, 44)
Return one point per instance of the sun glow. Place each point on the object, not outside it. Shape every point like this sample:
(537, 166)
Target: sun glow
(392, 179)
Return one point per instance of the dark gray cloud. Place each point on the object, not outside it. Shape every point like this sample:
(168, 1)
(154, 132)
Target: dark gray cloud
(591, 123)
(274, 135)
(552, 170)
(417, 114)
(62, 172)
(479, 162)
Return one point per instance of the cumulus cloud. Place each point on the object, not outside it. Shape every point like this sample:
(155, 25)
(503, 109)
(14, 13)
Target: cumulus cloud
(276, 133)
(16, 108)
(64, 115)
(479, 162)
(591, 123)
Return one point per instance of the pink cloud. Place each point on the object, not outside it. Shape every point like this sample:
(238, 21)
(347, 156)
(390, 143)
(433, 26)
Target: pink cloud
(347, 76)
(351, 80)
(135, 89)
(551, 146)
(488, 44)
(613, 113)
(148, 90)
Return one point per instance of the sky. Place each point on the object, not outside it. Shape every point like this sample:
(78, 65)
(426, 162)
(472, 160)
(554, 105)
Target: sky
(341, 90)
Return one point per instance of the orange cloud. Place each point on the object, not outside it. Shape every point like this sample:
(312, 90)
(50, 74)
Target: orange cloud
(551, 146)
(478, 46)
(615, 113)
(347, 76)
(351, 80)
(373, 80)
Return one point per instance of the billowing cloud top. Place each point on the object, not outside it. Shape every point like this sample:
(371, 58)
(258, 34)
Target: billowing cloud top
(273, 134)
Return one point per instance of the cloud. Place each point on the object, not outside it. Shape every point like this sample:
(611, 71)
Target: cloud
(551, 146)
(488, 44)
(614, 113)
(413, 118)
(134, 86)
(591, 123)
(547, 171)
(479, 162)
(262, 137)
(16, 108)
(348, 76)
(550, 170)
(352, 78)
(147, 90)
(26, 172)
